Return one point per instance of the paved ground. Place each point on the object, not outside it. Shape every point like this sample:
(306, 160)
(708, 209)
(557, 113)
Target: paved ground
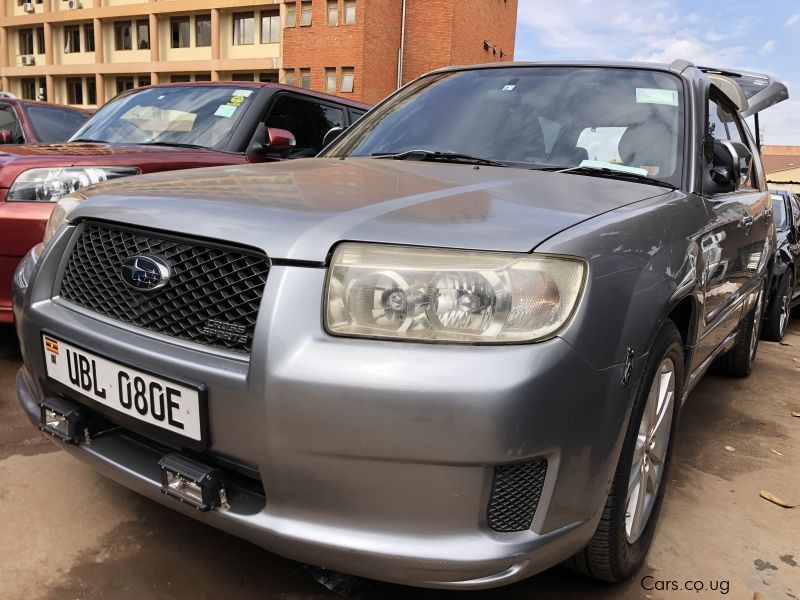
(66, 532)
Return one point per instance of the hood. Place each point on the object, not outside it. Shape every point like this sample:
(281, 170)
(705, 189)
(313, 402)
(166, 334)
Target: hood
(299, 209)
(15, 159)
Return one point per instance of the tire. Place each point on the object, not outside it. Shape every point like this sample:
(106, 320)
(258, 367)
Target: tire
(619, 546)
(777, 318)
(738, 361)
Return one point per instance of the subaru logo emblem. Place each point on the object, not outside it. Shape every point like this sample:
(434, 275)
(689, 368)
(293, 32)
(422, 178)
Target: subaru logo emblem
(145, 273)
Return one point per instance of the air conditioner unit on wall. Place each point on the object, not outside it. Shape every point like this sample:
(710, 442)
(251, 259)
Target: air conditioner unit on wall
(73, 4)
(28, 60)
(28, 7)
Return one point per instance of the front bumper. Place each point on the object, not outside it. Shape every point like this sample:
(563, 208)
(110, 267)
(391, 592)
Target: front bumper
(376, 458)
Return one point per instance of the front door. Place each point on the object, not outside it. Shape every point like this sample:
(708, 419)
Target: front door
(733, 247)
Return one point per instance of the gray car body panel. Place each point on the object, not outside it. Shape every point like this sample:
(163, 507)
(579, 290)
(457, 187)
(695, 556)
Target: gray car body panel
(377, 456)
(304, 208)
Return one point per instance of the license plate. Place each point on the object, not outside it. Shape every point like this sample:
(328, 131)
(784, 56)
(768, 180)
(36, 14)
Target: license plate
(148, 398)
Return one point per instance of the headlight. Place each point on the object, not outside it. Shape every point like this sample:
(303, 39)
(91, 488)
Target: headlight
(60, 213)
(48, 185)
(427, 294)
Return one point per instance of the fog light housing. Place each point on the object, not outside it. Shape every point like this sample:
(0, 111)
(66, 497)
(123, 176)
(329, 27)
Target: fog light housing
(62, 420)
(192, 482)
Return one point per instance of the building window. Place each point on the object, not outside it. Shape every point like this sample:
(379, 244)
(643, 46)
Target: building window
(348, 79)
(91, 90)
(29, 88)
(142, 80)
(122, 35)
(124, 84)
(330, 81)
(349, 12)
(288, 77)
(72, 39)
(243, 28)
(180, 79)
(143, 34)
(202, 77)
(88, 38)
(26, 41)
(242, 77)
(305, 78)
(202, 30)
(270, 28)
(40, 40)
(291, 15)
(333, 12)
(266, 77)
(305, 14)
(179, 27)
(74, 90)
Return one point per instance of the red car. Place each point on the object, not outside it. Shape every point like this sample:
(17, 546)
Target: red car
(158, 128)
(31, 122)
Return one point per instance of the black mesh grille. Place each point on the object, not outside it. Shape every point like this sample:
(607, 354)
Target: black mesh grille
(212, 296)
(515, 495)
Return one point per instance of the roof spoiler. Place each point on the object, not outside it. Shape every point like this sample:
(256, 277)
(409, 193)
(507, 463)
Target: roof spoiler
(760, 91)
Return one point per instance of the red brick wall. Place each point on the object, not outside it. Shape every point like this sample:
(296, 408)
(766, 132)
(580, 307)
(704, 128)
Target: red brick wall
(477, 20)
(381, 44)
(429, 36)
(438, 33)
(321, 45)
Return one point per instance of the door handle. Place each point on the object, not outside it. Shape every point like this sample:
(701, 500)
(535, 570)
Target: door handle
(747, 221)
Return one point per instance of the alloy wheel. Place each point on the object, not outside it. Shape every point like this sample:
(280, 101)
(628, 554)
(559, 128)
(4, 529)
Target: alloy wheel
(650, 452)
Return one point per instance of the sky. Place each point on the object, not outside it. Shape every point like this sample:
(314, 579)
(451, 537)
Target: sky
(761, 36)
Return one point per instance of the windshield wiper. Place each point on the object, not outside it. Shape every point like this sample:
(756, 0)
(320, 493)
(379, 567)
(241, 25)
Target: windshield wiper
(431, 155)
(89, 141)
(176, 144)
(609, 174)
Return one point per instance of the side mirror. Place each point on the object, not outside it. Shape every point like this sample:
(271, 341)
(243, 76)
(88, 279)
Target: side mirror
(332, 135)
(733, 162)
(5, 136)
(280, 140)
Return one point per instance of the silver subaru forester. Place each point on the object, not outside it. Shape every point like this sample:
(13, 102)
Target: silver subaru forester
(448, 352)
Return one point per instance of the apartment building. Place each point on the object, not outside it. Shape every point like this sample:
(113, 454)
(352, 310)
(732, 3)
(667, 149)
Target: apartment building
(83, 52)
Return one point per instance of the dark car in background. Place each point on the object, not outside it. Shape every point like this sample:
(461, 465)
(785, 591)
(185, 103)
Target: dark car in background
(785, 286)
(450, 351)
(158, 128)
(32, 122)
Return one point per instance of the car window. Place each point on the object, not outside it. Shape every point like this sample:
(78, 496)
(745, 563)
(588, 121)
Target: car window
(796, 210)
(531, 117)
(54, 124)
(308, 122)
(356, 114)
(10, 121)
(723, 124)
(779, 215)
(174, 115)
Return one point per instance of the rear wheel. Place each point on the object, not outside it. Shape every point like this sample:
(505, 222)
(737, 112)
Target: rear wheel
(738, 361)
(627, 525)
(777, 318)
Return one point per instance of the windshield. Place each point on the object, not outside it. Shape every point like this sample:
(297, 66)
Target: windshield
(194, 115)
(532, 117)
(779, 211)
(53, 124)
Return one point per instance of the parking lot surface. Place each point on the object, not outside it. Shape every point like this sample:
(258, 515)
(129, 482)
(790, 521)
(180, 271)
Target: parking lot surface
(67, 532)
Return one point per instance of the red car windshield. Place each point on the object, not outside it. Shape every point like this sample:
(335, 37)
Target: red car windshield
(202, 116)
(53, 124)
